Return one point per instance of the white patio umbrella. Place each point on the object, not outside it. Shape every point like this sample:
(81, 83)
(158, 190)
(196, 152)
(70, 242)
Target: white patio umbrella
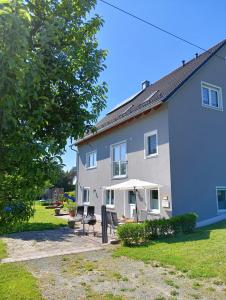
(133, 184)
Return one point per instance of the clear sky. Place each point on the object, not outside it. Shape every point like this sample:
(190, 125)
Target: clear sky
(137, 52)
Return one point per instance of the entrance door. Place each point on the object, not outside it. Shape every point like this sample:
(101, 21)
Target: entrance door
(132, 203)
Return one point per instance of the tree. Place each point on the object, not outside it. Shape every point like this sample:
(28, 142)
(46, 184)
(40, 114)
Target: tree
(49, 91)
(65, 180)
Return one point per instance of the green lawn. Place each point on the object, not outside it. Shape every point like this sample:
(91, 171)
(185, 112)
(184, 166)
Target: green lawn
(201, 254)
(43, 219)
(16, 283)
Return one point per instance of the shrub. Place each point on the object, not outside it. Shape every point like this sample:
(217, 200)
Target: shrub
(137, 233)
(70, 205)
(175, 223)
(131, 233)
(188, 222)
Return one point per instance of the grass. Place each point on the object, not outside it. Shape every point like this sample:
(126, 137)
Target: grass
(43, 219)
(16, 283)
(200, 254)
(3, 252)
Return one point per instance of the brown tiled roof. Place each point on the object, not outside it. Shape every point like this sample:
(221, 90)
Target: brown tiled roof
(156, 93)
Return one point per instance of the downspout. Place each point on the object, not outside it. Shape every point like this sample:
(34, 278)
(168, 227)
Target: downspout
(77, 171)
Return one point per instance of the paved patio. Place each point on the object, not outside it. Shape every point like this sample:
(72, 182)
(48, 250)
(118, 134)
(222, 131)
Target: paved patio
(38, 244)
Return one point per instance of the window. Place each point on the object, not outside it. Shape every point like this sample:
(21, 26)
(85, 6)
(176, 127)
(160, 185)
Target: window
(110, 198)
(85, 198)
(211, 96)
(151, 144)
(154, 200)
(119, 163)
(221, 198)
(91, 160)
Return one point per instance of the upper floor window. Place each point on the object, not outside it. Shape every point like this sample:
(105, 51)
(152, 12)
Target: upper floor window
(110, 198)
(211, 96)
(91, 160)
(119, 163)
(85, 195)
(151, 144)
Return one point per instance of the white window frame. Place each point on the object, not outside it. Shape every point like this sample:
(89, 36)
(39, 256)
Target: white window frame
(85, 188)
(220, 188)
(154, 211)
(87, 155)
(112, 167)
(110, 194)
(146, 135)
(215, 88)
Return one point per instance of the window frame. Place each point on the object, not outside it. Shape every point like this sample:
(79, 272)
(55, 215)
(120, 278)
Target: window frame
(224, 189)
(154, 211)
(87, 155)
(112, 162)
(215, 88)
(146, 135)
(110, 205)
(86, 188)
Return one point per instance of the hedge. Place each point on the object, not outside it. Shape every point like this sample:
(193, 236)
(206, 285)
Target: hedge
(138, 233)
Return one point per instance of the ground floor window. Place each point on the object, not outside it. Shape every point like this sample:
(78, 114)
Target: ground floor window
(154, 200)
(110, 198)
(85, 196)
(221, 198)
(132, 197)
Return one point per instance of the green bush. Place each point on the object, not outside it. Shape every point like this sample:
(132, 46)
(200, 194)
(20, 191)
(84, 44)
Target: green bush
(188, 222)
(132, 233)
(137, 233)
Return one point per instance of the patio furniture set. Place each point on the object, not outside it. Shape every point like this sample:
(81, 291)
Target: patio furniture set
(88, 218)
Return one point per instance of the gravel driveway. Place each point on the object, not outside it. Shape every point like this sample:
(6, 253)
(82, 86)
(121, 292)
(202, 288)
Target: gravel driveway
(98, 276)
(38, 244)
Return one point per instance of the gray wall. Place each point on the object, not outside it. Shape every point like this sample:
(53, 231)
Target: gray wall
(198, 143)
(156, 169)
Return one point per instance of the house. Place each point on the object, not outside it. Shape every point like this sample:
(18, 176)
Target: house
(171, 133)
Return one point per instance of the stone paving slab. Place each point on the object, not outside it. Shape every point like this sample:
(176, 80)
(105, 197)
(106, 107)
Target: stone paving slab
(38, 244)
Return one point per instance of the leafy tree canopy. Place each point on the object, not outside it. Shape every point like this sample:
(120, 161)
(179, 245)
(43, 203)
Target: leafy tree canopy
(49, 91)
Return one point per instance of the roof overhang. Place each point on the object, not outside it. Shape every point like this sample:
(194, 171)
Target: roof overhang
(119, 123)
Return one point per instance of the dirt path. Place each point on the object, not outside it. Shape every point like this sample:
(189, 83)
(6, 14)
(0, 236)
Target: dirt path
(97, 275)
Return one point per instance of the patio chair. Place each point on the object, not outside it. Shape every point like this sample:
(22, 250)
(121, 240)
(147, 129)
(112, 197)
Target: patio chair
(90, 219)
(112, 221)
(143, 215)
(109, 221)
(80, 214)
(90, 210)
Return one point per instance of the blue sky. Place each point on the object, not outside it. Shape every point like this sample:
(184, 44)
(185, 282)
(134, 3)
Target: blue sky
(137, 52)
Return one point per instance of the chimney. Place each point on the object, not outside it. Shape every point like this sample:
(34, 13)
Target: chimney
(196, 55)
(145, 84)
(183, 63)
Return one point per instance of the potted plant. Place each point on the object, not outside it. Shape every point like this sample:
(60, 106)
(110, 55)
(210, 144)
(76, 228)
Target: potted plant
(71, 206)
(57, 211)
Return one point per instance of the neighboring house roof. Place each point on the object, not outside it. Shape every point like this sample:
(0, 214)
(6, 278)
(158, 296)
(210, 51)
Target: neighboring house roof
(154, 94)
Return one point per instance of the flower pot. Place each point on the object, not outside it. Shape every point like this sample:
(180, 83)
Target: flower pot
(57, 211)
(71, 224)
(72, 213)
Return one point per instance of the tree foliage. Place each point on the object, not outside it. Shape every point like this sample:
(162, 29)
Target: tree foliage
(49, 91)
(65, 180)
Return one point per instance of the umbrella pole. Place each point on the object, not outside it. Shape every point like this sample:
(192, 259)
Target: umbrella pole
(135, 191)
